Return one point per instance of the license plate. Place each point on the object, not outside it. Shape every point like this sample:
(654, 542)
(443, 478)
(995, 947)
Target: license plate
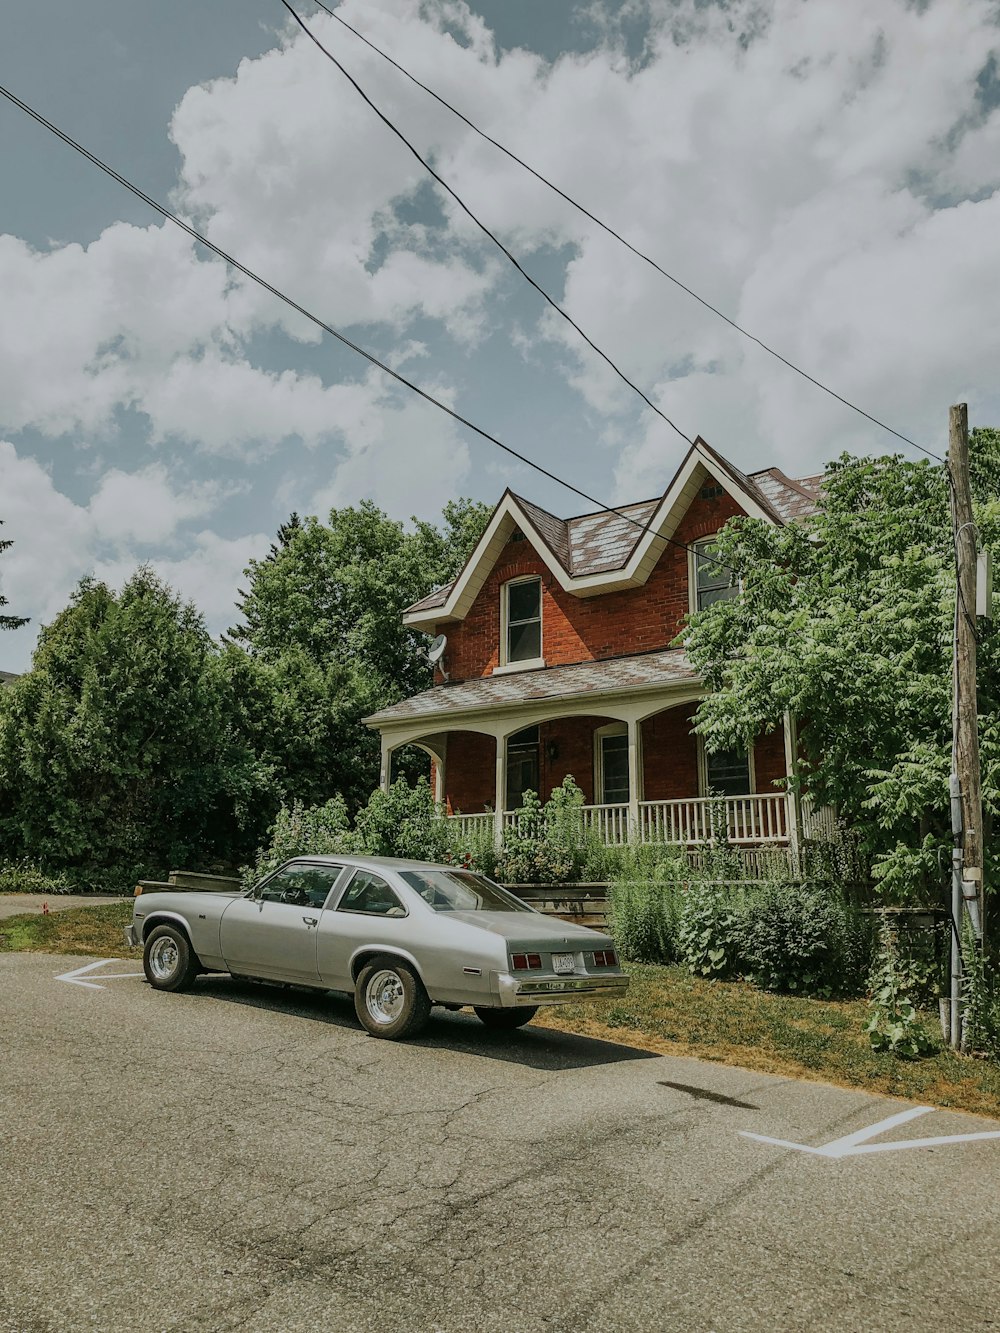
(563, 962)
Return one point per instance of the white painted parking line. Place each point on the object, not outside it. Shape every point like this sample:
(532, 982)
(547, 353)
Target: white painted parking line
(853, 1145)
(75, 978)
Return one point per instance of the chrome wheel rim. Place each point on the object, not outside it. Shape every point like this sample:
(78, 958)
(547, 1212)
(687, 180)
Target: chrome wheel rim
(163, 958)
(384, 996)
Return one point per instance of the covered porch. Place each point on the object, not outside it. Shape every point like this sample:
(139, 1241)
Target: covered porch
(622, 730)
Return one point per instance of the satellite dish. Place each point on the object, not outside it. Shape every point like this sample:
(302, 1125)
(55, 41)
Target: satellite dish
(436, 651)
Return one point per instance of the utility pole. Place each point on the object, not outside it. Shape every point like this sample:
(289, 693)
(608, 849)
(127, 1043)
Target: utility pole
(966, 782)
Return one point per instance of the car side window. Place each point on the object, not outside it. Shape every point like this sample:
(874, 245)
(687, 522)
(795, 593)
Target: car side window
(301, 885)
(369, 893)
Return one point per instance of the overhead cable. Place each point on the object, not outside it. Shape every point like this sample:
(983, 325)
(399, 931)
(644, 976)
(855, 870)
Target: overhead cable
(224, 255)
(483, 227)
(580, 208)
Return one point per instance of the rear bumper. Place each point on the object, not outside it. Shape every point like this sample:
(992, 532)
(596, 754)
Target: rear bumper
(516, 992)
(131, 936)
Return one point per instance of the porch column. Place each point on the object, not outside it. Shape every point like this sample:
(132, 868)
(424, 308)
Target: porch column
(440, 763)
(634, 777)
(385, 772)
(501, 790)
(793, 801)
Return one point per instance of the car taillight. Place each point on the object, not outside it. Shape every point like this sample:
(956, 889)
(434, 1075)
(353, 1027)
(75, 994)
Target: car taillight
(605, 958)
(525, 962)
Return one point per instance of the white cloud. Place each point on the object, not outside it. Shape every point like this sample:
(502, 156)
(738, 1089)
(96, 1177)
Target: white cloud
(824, 173)
(57, 542)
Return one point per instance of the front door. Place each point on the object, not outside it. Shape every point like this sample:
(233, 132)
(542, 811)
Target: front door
(273, 934)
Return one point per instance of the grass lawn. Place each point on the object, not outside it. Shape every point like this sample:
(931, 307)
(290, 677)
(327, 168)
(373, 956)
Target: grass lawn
(666, 1010)
(99, 931)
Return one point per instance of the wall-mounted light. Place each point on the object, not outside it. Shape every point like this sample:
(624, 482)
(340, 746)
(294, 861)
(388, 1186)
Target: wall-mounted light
(551, 751)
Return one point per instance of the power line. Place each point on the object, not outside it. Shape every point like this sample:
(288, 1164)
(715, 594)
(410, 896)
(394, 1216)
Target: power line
(482, 225)
(328, 328)
(612, 232)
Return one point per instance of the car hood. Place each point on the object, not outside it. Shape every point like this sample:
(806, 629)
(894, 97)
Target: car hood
(532, 930)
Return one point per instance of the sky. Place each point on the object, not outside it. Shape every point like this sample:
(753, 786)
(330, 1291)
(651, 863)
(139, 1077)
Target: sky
(828, 175)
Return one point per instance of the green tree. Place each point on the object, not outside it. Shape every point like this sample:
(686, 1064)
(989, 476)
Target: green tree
(118, 756)
(6, 621)
(321, 621)
(847, 620)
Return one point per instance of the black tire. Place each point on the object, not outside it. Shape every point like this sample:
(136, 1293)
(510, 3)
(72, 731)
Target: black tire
(168, 960)
(390, 1000)
(505, 1019)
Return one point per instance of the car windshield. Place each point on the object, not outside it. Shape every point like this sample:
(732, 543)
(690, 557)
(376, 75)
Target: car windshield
(461, 891)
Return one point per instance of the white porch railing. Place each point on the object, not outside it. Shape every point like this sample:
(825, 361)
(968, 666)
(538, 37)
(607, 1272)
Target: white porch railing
(469, 825)
(609, 821)
(749, 820)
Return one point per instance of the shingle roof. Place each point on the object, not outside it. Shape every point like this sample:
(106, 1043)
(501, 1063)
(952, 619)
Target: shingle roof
(643, 671)
(7, 677)
(793, 500)
(603, 542)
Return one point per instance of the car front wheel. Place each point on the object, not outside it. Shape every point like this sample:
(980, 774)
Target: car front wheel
(168, 960)
(506, 1018)
(390, 1000)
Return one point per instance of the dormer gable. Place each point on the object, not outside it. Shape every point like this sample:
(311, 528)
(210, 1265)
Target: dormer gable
(611, 549)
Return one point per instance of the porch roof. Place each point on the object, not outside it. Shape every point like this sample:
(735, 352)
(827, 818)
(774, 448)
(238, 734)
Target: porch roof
(619, 674)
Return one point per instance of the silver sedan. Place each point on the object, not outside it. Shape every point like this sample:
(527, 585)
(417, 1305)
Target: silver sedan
(400, 935)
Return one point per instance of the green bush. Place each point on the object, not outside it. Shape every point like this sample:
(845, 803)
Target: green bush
(299, 830)
(26, 876)
(403, 821)
(708, 934)
(801, 937)
(981, 994)
(893, 1025)
(645, 897)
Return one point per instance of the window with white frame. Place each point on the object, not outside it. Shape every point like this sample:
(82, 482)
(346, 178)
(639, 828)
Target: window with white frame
(712, 582)
(727, 773)
(523, 620)
(611, 763)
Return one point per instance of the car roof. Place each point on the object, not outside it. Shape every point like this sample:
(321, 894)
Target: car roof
(396, 863)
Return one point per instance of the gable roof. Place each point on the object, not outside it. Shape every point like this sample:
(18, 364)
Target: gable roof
(613, 548)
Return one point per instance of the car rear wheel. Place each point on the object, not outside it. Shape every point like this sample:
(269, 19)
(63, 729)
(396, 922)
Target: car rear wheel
(168, 960)
(390, 1000)
(506, 1018)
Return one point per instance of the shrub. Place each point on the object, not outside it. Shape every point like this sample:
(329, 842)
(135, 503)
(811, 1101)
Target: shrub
(27, 876)
(645, 898)
(800, 937)
(403, 821)
(893, 1025)
(982, 1000)
(319, 830)
(708, 933)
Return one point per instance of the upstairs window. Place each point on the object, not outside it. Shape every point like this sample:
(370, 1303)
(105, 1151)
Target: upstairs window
(523, 620)
(713, 582)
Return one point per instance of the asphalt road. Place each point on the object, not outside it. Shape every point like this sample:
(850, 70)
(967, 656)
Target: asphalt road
(245, 1158)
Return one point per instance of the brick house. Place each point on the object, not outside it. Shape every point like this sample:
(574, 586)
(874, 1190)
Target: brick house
(558, 661)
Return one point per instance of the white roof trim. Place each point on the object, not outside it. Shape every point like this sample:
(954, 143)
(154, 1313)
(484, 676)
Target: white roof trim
(664, 522)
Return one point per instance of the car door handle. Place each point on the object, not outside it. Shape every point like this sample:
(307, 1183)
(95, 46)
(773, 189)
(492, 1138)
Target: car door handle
(310, 920)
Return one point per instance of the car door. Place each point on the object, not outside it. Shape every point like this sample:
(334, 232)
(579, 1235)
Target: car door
(273, 933)
(368, 912)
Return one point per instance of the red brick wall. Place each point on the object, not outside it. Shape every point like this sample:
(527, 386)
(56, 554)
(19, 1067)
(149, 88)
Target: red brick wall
(769, 760)
(669, 756)
(576, 629)
(470, 772)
